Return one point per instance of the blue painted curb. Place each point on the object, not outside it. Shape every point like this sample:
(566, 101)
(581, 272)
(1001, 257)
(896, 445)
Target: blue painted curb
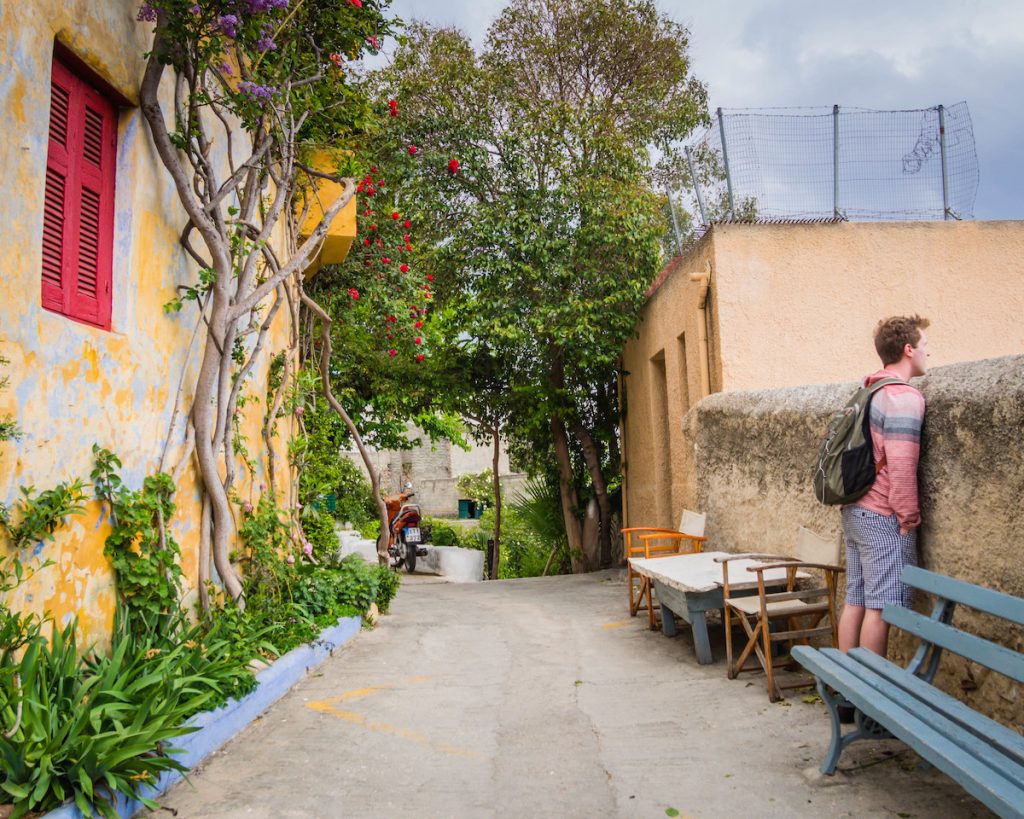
(217, 727)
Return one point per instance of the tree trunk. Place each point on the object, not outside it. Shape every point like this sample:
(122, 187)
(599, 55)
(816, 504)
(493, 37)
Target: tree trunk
(567, 495)
(592, 457)
(496, 560)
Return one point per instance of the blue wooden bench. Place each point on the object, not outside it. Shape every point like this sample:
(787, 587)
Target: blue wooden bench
(986, 758)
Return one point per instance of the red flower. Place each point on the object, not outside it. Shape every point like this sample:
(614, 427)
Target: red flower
(404, 268)
(395, 216)
(419, 357)
(418, 324)
(394, 112)
(353, 293)
(359, 187)
(357, 3)
(408, 247)
(373, 227)
(412, 150)
(372, 39)
(453, 166)
(405, 238)
(392, 352)
(419, 340)
(430, 277)
(366, 242)
(373, 169)
(392, 103)
(407, 224)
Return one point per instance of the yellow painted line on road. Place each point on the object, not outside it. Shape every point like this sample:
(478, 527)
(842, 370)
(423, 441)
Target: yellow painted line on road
(616, 624)
(328, 706)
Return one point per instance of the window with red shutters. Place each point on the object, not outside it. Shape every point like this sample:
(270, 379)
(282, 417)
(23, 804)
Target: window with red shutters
(78, 212)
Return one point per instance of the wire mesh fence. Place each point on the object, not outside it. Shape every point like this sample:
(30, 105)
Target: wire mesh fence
(830, 163)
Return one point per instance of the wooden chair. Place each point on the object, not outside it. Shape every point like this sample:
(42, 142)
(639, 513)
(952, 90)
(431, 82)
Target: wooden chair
(802, 609)
(657, 542)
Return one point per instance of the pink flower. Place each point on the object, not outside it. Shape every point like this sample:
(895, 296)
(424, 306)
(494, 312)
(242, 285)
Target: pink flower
(392, 352)
(290, 559)
(357, 3)
(307, 548)
(247, 508)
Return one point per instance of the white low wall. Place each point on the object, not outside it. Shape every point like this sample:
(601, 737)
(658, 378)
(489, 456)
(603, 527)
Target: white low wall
(451, 562)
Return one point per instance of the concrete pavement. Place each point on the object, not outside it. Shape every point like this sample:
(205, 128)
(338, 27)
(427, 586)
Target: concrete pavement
(533, 698)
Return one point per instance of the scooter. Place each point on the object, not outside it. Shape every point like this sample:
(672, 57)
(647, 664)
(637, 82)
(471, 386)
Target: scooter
(406, 539)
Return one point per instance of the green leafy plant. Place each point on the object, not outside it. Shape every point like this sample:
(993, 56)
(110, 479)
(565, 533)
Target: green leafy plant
(387, 587)
(8, 426)
(94, 727)
(34, 518)
(141, 549)
(478, 486)
(318, 527)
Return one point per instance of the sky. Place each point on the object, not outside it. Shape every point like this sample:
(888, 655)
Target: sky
(880, 54)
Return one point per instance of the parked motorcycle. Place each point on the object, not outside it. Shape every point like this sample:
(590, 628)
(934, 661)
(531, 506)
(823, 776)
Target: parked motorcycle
(406, 539)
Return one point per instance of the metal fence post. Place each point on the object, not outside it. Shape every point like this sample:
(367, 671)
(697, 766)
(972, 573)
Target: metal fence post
(725, 161)
(675, 221)
(835, 161)
(696, 186)
(945, 169)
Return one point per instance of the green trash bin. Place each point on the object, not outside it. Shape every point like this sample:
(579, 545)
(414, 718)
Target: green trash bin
(465, 508)
(331, 502)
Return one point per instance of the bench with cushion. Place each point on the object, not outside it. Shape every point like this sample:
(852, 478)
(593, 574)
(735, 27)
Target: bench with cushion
(985, 757)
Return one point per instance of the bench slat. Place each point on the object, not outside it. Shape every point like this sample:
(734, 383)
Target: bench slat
(954, 758)
(1001, 605)
(1006, 740)
(989, 654)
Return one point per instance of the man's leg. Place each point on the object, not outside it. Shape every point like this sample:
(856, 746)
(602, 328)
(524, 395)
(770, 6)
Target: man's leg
(850, 623)
(874, 632)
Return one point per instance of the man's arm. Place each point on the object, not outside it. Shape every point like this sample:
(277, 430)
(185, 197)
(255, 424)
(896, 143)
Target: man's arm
(904, 416)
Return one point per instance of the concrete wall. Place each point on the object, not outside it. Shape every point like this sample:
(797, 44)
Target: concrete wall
(796, 304)
(71, 384)
(753, 453)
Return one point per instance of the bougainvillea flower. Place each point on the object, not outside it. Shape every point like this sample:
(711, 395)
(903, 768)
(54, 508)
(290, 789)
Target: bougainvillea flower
(372, 40)
(418, 324)
(419, 340)
(453, 166)
(357, 3)
(404, 268)
(336, 59)
(392, 352)
(408, 247)
(366, 242)
(419, 357)
(373, 227)
(353, 293)
(395, 215)
(430, 277)
(407, 224)
(412, 150)
(386, 259)
(392, 103)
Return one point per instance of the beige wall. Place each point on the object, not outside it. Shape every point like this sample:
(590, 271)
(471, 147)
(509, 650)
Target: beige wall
(796, 304)
(71, 384)
(753, 453)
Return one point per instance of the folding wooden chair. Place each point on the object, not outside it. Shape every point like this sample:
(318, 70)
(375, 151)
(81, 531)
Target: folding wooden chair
(656, 542)
(802, 609)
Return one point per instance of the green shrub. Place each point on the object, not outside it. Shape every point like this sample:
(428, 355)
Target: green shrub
(387, 587)
(318, 528)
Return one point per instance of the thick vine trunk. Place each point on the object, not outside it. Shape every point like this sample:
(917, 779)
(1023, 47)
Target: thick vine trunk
(592, 458)
(325, 385)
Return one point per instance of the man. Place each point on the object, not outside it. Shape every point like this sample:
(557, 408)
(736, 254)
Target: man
(881, 527)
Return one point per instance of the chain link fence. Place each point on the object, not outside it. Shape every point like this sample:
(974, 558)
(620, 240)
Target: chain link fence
(821, 163)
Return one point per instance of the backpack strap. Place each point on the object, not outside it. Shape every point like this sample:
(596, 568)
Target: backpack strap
(883, 382)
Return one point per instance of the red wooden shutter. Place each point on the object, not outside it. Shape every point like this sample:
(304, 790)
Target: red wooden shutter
(78, 220)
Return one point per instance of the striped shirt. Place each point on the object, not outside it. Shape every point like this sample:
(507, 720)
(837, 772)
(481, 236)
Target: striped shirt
(897, 413)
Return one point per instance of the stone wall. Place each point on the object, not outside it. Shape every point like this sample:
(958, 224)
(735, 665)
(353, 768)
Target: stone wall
(753, 453)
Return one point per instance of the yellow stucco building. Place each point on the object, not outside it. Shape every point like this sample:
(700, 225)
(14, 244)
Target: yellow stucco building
(93, 356)
(757, 306)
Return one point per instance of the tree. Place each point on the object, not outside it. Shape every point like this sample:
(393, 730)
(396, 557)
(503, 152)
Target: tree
(263, 84)
(535, 172)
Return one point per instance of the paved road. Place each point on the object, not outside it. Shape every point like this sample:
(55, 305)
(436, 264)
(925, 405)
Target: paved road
(536, 698)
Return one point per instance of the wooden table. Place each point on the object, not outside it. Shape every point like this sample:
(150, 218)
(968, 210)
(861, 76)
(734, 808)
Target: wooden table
(691, 584)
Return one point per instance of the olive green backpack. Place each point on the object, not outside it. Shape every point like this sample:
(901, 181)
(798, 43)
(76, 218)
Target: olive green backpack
(846, 467)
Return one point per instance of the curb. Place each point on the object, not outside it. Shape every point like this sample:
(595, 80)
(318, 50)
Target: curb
(217, 727)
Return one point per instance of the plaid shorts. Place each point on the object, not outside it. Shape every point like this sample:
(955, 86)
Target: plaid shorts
(876, 553)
